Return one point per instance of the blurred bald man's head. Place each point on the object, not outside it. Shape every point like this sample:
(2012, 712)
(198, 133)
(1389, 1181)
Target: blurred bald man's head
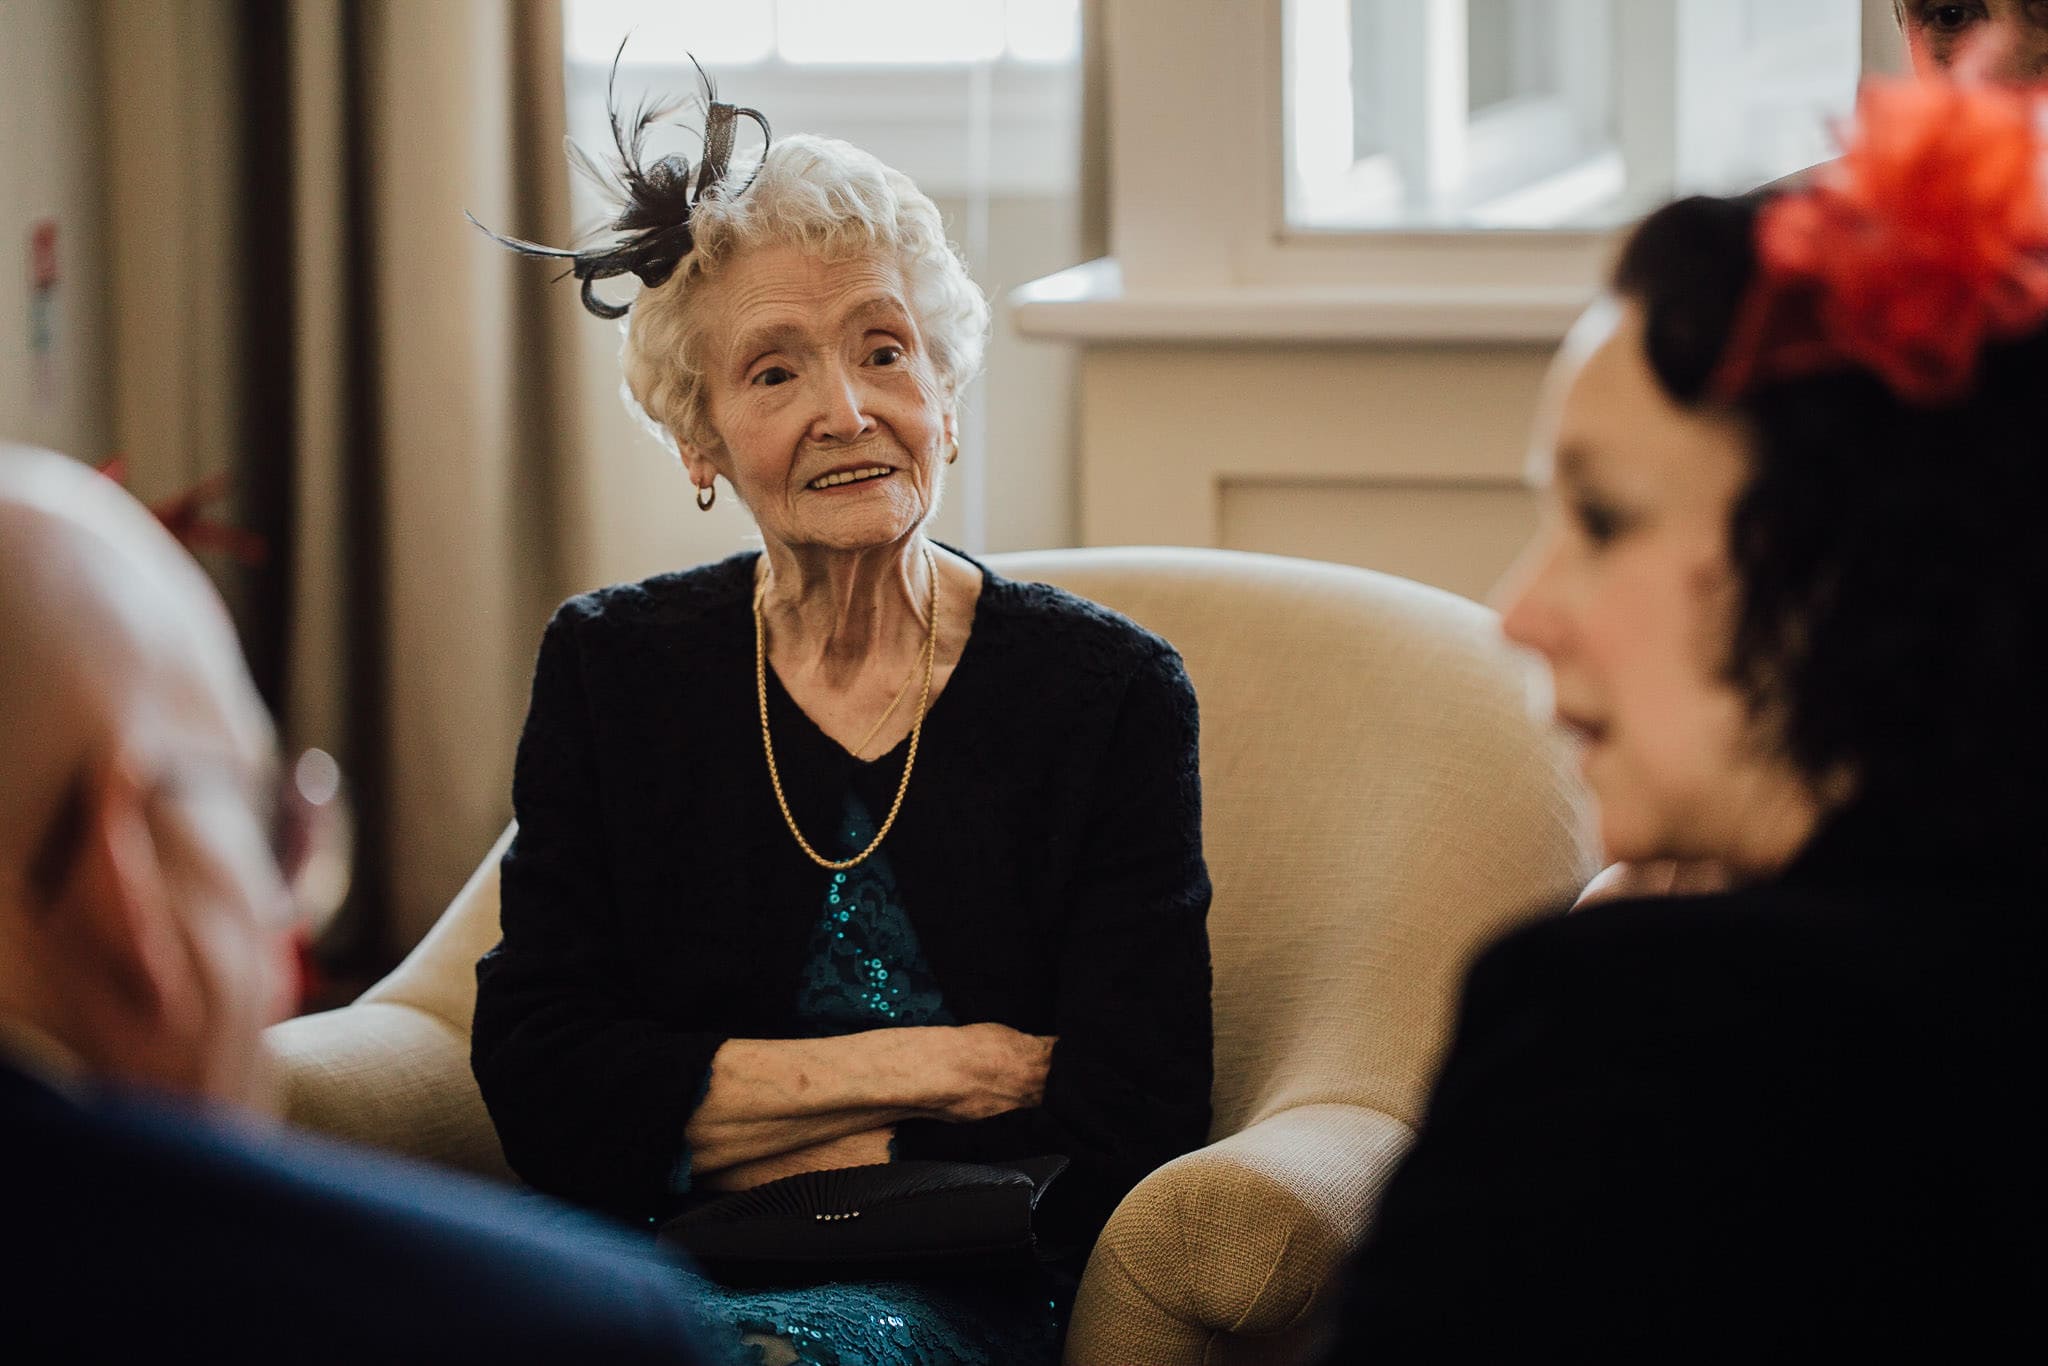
(142, 917)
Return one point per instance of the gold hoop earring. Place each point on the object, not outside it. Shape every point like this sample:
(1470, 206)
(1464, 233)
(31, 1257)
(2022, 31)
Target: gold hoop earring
(955, 456)
(706, 496)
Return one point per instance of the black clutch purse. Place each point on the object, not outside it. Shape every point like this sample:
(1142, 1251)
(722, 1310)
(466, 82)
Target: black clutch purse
(911, 1220)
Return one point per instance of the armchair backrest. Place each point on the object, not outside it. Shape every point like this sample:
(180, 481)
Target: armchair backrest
(1378, 801)
(439, 975)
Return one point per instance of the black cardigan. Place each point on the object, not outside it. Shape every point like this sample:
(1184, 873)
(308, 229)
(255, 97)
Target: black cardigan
(654, 904)
(1792, 1122)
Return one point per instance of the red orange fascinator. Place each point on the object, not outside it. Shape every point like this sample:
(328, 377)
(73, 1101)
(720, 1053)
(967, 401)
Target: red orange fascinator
(1927, 239)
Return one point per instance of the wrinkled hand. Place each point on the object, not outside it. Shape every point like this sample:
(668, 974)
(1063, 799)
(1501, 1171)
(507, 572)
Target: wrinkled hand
(1662, 877)
(996, 1069)
(855, 1150)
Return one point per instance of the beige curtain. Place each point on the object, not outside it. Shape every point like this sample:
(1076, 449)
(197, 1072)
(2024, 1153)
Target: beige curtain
(295, 285)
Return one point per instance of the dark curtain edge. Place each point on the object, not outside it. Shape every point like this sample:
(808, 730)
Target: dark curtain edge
(356, 947)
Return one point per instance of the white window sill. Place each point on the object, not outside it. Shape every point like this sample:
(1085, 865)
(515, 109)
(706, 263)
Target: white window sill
(1088, 304)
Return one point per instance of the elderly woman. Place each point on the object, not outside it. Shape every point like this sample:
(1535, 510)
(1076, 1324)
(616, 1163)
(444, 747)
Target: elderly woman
(849, 851)
(1793, 596)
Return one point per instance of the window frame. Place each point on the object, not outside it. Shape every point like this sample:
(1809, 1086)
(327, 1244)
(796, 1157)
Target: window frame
(1200, 254)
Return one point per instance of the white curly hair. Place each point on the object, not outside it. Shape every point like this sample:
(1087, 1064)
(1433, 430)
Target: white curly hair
(825, 197)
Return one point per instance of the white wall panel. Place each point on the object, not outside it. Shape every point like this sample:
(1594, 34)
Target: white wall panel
(51, 170)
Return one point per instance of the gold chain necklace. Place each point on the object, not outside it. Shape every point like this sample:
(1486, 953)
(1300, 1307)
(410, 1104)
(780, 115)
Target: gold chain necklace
(887, 712)
(931, 650)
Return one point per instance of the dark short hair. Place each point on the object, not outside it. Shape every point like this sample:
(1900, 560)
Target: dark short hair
(1892, 615)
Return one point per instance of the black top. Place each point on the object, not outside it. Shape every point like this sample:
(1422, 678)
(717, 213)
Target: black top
(654, 905)
(150, 1230)
(1792, 1122)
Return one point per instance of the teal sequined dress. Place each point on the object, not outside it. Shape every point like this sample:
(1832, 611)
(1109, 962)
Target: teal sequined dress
(1045, 873)
(864, 969)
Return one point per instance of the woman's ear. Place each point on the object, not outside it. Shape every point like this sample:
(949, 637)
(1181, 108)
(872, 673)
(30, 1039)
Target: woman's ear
(698, 465)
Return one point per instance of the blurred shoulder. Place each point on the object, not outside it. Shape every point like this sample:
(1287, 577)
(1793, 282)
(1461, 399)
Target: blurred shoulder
(1672, 937)
(324, 1182)
(451, 1262)
(1778, 964)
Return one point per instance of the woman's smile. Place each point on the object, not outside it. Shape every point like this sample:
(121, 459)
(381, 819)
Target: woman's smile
(849, 477)
(827, 389)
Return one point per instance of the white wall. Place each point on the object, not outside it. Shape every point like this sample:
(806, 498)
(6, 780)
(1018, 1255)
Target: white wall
(1407, 459)
(51, 168)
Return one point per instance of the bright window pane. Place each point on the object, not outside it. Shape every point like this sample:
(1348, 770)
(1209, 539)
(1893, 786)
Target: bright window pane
(717, 32)
(1406, 114)
(1509, 54)
(1044, 30)
(894, 31)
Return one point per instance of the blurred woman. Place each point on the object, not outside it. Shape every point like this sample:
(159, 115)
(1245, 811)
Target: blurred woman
(1793, 595)
(2002, 40)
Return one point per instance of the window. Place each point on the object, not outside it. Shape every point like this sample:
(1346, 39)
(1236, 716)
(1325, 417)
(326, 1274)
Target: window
(1255, 193)
(899, 33)
(1404, 114)
(967, 97)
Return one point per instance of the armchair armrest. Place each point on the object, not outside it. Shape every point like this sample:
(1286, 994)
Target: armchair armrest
(389, 1075)
(1238, 1239)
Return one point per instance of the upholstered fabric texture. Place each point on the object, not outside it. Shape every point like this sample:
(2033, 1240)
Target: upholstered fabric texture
(1380, 799)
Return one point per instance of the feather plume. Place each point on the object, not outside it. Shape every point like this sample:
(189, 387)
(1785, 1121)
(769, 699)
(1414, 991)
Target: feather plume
(650, 233)
(585, 165)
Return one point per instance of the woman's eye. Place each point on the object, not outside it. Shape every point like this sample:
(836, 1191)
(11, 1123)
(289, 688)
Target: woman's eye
(1600, 523)
(772, 376)
(1946, 18)
(886, 355)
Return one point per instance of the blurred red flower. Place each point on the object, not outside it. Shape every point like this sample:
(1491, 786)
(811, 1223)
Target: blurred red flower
(184, 516)
(1927, 239)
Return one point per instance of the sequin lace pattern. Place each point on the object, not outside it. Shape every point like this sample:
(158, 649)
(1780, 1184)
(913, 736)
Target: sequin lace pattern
(888, 1323)
(865, 968)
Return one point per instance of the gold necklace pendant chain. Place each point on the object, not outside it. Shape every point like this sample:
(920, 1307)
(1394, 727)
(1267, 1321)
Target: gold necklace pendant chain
(887, 712)
(931, 651)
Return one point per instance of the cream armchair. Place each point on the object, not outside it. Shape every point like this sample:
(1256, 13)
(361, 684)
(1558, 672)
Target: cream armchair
(1378, 802)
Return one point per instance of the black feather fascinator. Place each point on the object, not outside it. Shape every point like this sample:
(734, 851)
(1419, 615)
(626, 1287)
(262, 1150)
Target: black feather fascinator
(651, 234)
